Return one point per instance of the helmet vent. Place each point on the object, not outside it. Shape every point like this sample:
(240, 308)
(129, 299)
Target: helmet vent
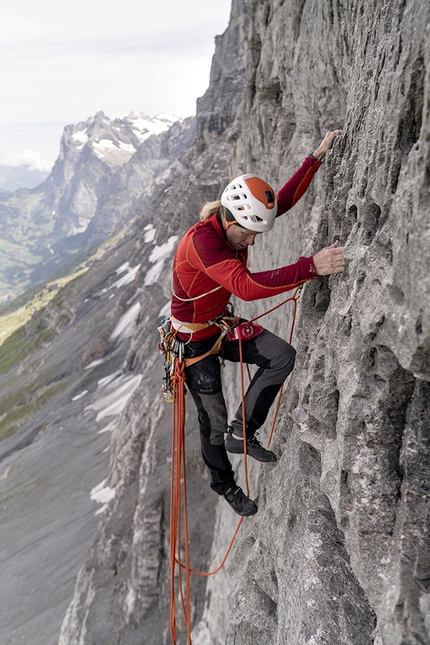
(253, 218)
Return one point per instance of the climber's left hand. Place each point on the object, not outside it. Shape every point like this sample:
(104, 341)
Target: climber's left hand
(329, 260)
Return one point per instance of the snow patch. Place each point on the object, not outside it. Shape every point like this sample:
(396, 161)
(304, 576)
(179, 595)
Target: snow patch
(143, 126)
(128, 277)
(109, 428)
(115, 394)
(150, 233)
(98, 361)
(159, 255)
(79, 396)
(142, 136)
(153, 274)
(127, 147)
(146, 127)
(162, 252)
(130, 602)
(102, 494)
(127, 323)
(123, 268)
(130, 274)
(108, 379)
(81, 226)
(134, 296)
(80, 138)
(103, 147)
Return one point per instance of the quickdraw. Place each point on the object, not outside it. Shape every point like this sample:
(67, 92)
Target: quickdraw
(172, 348)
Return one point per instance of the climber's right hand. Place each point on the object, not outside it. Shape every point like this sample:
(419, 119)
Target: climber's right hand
(325, 144)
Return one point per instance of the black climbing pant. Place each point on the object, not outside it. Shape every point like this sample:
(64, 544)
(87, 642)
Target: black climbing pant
(275, 360)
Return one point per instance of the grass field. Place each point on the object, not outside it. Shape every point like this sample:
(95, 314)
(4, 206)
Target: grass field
(11, 322)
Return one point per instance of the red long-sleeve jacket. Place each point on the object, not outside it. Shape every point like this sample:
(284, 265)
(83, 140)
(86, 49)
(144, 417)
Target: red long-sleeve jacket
(207, 270)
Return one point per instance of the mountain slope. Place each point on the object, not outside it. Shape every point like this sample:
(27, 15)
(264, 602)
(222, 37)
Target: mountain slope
(64, 379)
(93, 347)
(338, 550)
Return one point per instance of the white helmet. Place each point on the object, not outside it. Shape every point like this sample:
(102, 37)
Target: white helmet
(251, 202)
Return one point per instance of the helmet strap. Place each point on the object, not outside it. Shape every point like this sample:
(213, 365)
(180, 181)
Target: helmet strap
(228, 219)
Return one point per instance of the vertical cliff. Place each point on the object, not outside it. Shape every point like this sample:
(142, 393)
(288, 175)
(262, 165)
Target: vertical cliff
(339, 551)
(341, 542)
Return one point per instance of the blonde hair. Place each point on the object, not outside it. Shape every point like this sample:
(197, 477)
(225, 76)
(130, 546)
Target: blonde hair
(209, 209)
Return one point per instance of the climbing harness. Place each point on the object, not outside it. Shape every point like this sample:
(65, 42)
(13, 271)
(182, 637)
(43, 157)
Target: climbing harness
(173, 347)
(173, 388)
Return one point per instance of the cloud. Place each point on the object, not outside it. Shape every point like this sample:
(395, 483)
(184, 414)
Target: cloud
(61, 63)
(27, 158)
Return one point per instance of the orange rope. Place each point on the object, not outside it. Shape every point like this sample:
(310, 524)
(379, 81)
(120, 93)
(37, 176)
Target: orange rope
(178, 477)
(178, 482)
(294, 298)
(242, 387)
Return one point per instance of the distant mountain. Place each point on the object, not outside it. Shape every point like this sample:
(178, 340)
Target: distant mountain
(15, 177)
(26, 170)
(104, 165)
(90, 155)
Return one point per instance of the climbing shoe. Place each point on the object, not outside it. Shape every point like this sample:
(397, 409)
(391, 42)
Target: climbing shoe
(240, 503)
(253, 448)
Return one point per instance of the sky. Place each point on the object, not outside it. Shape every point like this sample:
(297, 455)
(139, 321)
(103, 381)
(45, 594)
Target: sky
(61, 62)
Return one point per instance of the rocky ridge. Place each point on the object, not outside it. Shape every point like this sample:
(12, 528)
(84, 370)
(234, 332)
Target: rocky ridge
(103, 167)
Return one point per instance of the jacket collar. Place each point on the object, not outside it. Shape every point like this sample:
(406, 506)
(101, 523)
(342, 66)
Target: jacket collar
(218, 226)
(216, 221)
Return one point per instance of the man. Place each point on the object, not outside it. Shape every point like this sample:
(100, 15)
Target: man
(210, 266)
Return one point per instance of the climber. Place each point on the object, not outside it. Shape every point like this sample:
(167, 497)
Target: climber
(210, 266)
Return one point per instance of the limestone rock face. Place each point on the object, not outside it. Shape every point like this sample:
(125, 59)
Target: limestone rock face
(339, 551)
(356, 414)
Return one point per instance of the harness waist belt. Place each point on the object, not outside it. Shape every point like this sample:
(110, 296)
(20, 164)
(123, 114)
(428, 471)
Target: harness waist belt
(188, 328)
